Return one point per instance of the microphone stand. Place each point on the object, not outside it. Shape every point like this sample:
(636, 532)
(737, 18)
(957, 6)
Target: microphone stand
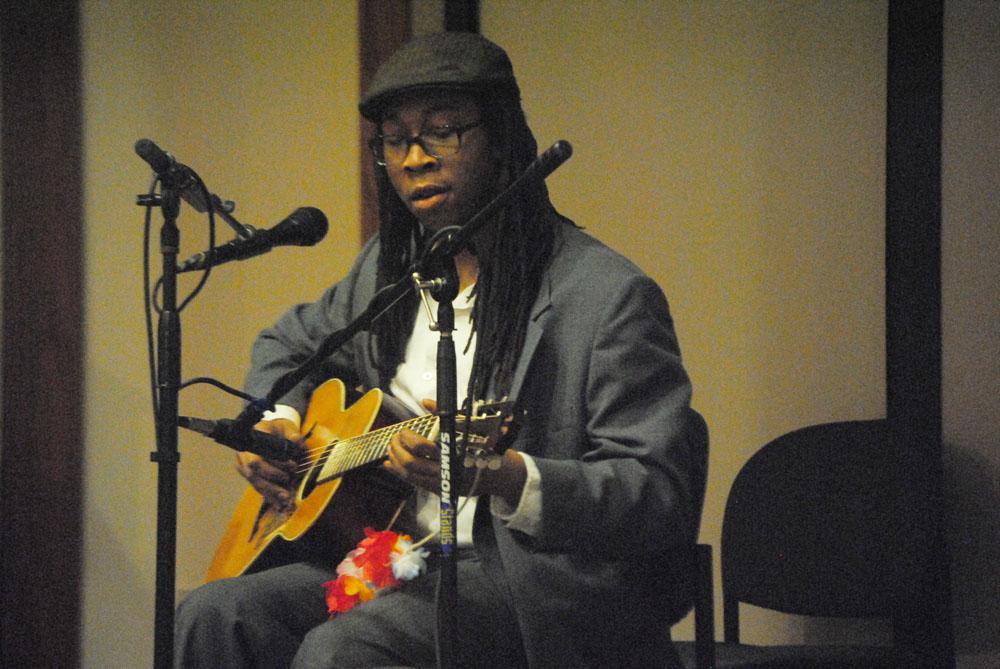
(168, 382)
(440, 256)
(225, 209)
(444, 289)
(166, 456)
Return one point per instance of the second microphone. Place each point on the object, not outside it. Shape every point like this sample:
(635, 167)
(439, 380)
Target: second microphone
(304, 227)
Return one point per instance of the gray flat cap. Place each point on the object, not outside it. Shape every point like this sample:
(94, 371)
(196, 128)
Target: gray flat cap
(452, 60)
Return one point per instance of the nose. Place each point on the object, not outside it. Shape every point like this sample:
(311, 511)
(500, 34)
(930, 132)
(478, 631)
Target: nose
(417, 159)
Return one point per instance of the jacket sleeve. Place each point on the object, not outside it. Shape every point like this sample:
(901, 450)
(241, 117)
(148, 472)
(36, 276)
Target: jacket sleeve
(632, 486)
(296, 336)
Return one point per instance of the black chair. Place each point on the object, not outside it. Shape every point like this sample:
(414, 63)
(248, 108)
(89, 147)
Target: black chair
(701, 593)
(811, 528)
(701, 653)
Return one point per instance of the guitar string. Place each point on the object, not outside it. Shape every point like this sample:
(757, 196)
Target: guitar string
(312, 451)
(365, 448)
(362, 449)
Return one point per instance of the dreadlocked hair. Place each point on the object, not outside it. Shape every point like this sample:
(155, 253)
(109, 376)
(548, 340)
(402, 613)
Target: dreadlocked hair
(401, 241)
(513, 251)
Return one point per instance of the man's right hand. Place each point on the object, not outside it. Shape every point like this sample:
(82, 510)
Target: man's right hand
(273, 479)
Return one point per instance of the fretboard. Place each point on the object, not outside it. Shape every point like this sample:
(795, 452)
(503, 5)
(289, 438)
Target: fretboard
(350, 454)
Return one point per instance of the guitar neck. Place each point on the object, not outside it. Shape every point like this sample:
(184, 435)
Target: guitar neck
(350, 454)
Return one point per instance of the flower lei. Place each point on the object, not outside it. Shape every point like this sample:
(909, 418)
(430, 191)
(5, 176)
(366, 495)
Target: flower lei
(381, 560)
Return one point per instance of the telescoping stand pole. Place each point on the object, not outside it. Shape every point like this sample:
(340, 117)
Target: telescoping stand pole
(166, 456)
(443, 287)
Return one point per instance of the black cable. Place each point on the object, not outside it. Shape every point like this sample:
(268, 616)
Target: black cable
(218, 384)
(211, 243)
(148, 303)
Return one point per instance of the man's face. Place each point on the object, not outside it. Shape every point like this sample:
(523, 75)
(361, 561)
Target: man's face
(446, 190)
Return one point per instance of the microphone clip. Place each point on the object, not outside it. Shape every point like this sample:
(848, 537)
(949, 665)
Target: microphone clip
(443, 288)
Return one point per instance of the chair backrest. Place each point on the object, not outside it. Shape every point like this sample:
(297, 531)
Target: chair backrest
(684, 589)
(810, 526)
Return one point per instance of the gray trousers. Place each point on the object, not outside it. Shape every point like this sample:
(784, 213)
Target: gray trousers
(278, 618)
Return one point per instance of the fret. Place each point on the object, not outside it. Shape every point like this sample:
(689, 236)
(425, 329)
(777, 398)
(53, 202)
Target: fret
(357, 455)
(364, 449)
(350, 454)
(330, 462)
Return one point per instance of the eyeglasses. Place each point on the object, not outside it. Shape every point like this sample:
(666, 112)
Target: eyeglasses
(438, 142)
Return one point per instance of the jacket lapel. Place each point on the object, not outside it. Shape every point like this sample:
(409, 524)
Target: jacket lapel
(533, 334)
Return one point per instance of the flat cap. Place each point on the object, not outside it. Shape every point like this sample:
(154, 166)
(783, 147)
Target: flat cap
(450, 60)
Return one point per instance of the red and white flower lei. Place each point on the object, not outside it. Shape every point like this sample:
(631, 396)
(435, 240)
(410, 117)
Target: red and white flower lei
(383, 559)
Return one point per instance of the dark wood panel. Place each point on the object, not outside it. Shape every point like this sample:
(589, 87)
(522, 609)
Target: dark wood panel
(913, 315)
(461, 15)
(42, 358)
(384, 27)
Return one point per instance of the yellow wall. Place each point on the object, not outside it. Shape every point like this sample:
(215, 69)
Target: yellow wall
(259, 98)
(734, 150)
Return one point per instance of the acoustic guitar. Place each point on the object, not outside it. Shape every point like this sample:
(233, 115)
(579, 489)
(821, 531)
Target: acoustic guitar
(339, 487)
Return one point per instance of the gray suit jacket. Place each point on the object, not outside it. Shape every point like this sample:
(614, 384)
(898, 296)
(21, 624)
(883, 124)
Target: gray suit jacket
(608, 421)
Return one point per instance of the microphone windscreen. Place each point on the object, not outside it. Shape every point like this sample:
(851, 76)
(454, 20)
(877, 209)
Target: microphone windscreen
(154, 155)
(304, 227)
(553, 157)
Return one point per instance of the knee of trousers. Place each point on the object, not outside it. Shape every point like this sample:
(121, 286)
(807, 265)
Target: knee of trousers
(317, 649)
(323, 642)
(219, 603)
(346, 641)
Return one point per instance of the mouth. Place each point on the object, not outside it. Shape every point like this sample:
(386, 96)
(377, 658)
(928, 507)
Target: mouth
(428, 196)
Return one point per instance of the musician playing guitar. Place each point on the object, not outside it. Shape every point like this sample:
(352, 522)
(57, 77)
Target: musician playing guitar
(574, 544)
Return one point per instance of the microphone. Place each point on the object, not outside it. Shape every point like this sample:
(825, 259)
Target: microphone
(174, 175)
(254, 441)
(545, 164)
(304, 227)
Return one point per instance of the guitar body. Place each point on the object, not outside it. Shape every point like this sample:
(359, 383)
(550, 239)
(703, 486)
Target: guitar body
(328, 518)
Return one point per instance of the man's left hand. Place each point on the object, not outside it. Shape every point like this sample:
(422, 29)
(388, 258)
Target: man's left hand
(417, 461)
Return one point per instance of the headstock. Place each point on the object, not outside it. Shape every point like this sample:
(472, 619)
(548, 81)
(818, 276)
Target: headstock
(489, 423)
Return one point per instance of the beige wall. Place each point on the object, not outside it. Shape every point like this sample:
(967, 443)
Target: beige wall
(259, 98)
(734, 150)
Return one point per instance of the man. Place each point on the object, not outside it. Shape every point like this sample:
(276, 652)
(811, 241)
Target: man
(578, 554)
